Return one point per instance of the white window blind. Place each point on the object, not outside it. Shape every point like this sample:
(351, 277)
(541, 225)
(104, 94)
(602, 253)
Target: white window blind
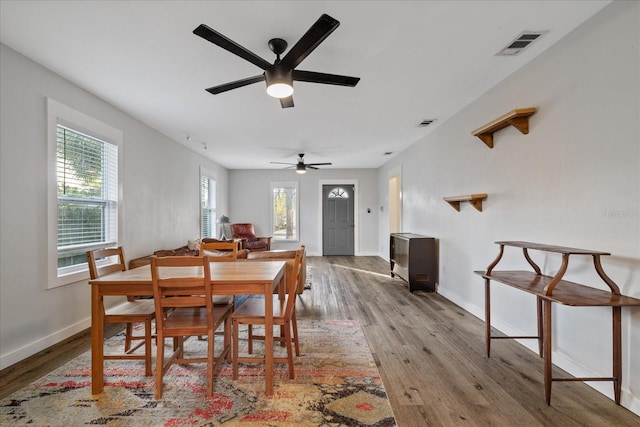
(87, 188)
(207, 206)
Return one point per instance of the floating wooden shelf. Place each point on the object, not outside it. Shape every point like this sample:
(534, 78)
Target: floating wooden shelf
(474, 200)
(518, 118)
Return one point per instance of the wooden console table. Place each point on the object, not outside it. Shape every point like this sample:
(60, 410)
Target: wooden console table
(550, 289)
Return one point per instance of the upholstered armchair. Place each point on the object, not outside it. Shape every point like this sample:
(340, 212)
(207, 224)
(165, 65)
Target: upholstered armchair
(246, 233)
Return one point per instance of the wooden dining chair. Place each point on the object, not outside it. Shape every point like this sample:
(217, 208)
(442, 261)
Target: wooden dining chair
(228, 250)
(252, 312)
(182, 289)
(131, 312)
(221, 251)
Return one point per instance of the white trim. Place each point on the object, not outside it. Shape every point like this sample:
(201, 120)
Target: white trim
(58, 113)
(34, 347)
(356, 210)
(204, 172)
(284, 184)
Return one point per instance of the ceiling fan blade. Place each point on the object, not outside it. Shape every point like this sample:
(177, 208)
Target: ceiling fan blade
(312, 167)
(319, 164)
(234, 85)
(315, 35)
(330, 79)
(281, 163)
(218, 39)
(286, 102)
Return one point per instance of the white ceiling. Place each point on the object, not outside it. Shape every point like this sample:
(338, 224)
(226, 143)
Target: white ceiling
(416, 59)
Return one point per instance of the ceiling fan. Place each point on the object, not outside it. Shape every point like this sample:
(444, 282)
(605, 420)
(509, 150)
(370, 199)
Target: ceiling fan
(281, 74)
(301, 166)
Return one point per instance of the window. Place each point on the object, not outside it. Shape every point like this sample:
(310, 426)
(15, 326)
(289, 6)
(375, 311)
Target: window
(284, 211)
(207, 204)
(338, 193)
(84, 197)
(87, 181)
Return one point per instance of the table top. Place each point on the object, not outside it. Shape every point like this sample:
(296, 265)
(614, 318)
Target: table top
(221, 272)
(551, 248)
(566, 292)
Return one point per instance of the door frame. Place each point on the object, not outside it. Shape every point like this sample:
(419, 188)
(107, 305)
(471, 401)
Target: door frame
(356, 219)
(394, 203)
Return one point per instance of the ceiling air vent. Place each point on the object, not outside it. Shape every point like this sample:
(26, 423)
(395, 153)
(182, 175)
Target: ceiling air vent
(521, 42)
(426, 123)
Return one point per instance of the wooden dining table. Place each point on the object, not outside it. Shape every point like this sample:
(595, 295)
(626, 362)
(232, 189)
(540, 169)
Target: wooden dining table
(227, 278)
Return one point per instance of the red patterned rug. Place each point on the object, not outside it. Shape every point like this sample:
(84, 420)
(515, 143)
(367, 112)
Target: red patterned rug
(337, 384)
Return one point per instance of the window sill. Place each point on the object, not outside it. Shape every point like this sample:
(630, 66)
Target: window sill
(67, 279)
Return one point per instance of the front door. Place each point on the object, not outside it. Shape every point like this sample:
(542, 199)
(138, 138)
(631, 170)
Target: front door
(337, 219)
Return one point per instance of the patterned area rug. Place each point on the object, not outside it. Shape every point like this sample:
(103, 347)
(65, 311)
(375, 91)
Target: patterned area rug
(307, 283)
(337, 384)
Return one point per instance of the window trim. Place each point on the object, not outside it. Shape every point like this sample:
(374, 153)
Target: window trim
(284, 184)
(58, 113)
(205, 173)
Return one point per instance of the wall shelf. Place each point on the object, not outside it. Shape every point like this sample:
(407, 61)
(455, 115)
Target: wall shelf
(518, 118)
(474, 200)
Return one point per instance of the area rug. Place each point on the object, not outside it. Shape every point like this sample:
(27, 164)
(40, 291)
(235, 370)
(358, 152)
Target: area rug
(307, 283)
(337, 384)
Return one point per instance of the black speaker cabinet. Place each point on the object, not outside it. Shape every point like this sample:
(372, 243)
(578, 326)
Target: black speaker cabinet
(414, 259)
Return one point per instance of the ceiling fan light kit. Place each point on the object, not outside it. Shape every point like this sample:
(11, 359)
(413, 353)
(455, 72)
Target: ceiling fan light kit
(301, 166)
(279, 81)
(280, 75)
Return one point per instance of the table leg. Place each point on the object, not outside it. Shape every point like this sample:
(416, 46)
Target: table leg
(97, 341)
(487, 315)
(617, 352)
(546, 347)
(540, 328)
(268, 340)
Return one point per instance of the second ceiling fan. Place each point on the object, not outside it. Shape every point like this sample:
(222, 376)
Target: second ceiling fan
(301, 166)
(280, 75)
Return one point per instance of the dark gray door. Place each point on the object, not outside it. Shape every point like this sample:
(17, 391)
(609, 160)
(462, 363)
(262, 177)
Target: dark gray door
(337, 219)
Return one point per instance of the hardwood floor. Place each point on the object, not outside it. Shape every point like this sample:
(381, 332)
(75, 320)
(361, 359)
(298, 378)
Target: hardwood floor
(430, 354)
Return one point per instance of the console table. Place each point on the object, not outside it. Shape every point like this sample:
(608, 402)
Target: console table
(552, 289)
(413, 258)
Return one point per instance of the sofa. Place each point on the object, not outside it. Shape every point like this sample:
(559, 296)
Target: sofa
(244, 255)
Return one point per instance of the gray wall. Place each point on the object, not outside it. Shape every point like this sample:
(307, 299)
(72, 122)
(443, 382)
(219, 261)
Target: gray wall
(574, 180)
(249, 201)
(159, 206)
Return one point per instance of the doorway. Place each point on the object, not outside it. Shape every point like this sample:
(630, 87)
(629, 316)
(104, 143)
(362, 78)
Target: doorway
(338, 219)
(395, 203)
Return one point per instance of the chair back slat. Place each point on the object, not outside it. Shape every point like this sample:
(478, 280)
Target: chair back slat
(96, 271)
(230, 249)
(292, 286)
(180, 282)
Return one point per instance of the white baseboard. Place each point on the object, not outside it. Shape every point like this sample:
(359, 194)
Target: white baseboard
(627, 399)
(358, 254)
(32, 348)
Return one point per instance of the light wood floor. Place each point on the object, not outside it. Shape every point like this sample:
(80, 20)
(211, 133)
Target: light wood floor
(430, 354)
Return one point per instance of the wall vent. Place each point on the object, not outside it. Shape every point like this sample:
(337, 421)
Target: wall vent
(521, 42)
(426, 122)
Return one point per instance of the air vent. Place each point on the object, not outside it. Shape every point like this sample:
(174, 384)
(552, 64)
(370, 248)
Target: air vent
(521, 42)
(426, 122)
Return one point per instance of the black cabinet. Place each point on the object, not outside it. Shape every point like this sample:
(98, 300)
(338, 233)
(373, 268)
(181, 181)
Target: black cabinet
(414, 259)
